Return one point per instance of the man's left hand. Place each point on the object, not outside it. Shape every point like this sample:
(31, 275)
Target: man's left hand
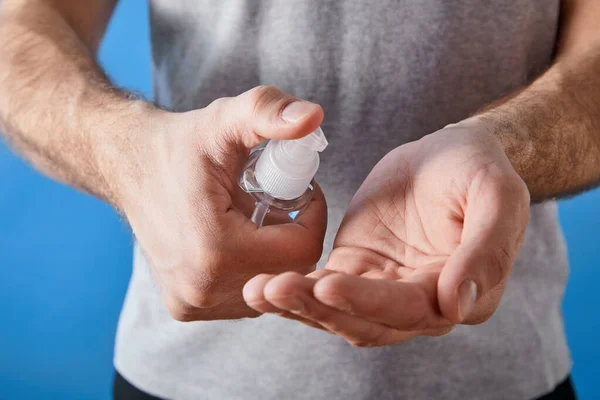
(428, 242)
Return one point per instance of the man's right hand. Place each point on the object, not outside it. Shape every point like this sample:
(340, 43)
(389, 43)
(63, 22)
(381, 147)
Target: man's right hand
(173, 175)
(180, 195)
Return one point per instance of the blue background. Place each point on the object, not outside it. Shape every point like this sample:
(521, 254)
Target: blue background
(65, 260)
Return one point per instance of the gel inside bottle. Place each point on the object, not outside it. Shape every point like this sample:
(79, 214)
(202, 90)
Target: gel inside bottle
(280, 176)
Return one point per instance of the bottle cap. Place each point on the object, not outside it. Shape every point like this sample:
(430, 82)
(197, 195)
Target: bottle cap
(286, 167)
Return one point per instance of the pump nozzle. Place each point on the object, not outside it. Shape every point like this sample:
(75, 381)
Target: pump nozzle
(315, 141)
(286, 167)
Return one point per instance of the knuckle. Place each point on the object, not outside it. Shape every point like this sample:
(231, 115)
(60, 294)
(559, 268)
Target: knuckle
(178, 310)
(258, 93)
(220, 103)
(180, 316)
(200, 297)
(212, 259)
(203, 262)
(221, 125)
(261, 96)
(330, 287)
(198, 278)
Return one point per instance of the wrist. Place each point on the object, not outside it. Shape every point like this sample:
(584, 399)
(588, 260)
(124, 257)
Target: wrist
(121, 146)
(513, 138)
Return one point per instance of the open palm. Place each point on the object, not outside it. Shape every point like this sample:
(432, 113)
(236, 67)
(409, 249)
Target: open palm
(427, 242)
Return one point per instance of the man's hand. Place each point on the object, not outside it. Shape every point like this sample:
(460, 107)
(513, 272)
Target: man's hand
(179, 192)
(173, 175)
(428, 242)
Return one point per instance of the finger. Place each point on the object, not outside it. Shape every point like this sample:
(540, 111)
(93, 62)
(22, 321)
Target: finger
(254, 297)
(231, 126)
(408, 305)
(253, 294)
(494, 226)
(361, 261)
(293, 292)
(307, 322)
(265, 112)
(286, 247)
(320, 273)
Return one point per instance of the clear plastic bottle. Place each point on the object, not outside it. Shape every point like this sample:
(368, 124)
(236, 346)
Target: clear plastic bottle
(279, 177)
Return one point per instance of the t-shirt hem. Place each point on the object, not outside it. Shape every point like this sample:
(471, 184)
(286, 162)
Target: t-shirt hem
(144, 379)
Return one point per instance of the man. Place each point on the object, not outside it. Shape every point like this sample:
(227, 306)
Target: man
(432, 222)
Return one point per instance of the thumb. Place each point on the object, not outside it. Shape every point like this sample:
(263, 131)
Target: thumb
(266, 112)
(469, 282)
(472, 280)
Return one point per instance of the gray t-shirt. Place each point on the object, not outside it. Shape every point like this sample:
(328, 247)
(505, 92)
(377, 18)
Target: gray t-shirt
(386, 72)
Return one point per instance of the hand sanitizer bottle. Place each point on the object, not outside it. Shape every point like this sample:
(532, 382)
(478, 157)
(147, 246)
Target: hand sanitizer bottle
(279, 176)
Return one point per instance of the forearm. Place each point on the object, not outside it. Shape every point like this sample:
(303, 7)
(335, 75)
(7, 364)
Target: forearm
(551, 129)
(57, 107)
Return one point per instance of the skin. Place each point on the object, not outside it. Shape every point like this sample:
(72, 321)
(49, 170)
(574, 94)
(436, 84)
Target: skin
(428, 240)
(430, 237)
(173, 176)
(418, 245)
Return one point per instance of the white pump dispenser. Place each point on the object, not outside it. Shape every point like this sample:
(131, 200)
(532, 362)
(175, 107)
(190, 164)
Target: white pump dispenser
(286, 167)
(279, 175)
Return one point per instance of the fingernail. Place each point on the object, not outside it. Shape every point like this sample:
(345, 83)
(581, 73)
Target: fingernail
(295, 305)
(297, 110)
(467, 294)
